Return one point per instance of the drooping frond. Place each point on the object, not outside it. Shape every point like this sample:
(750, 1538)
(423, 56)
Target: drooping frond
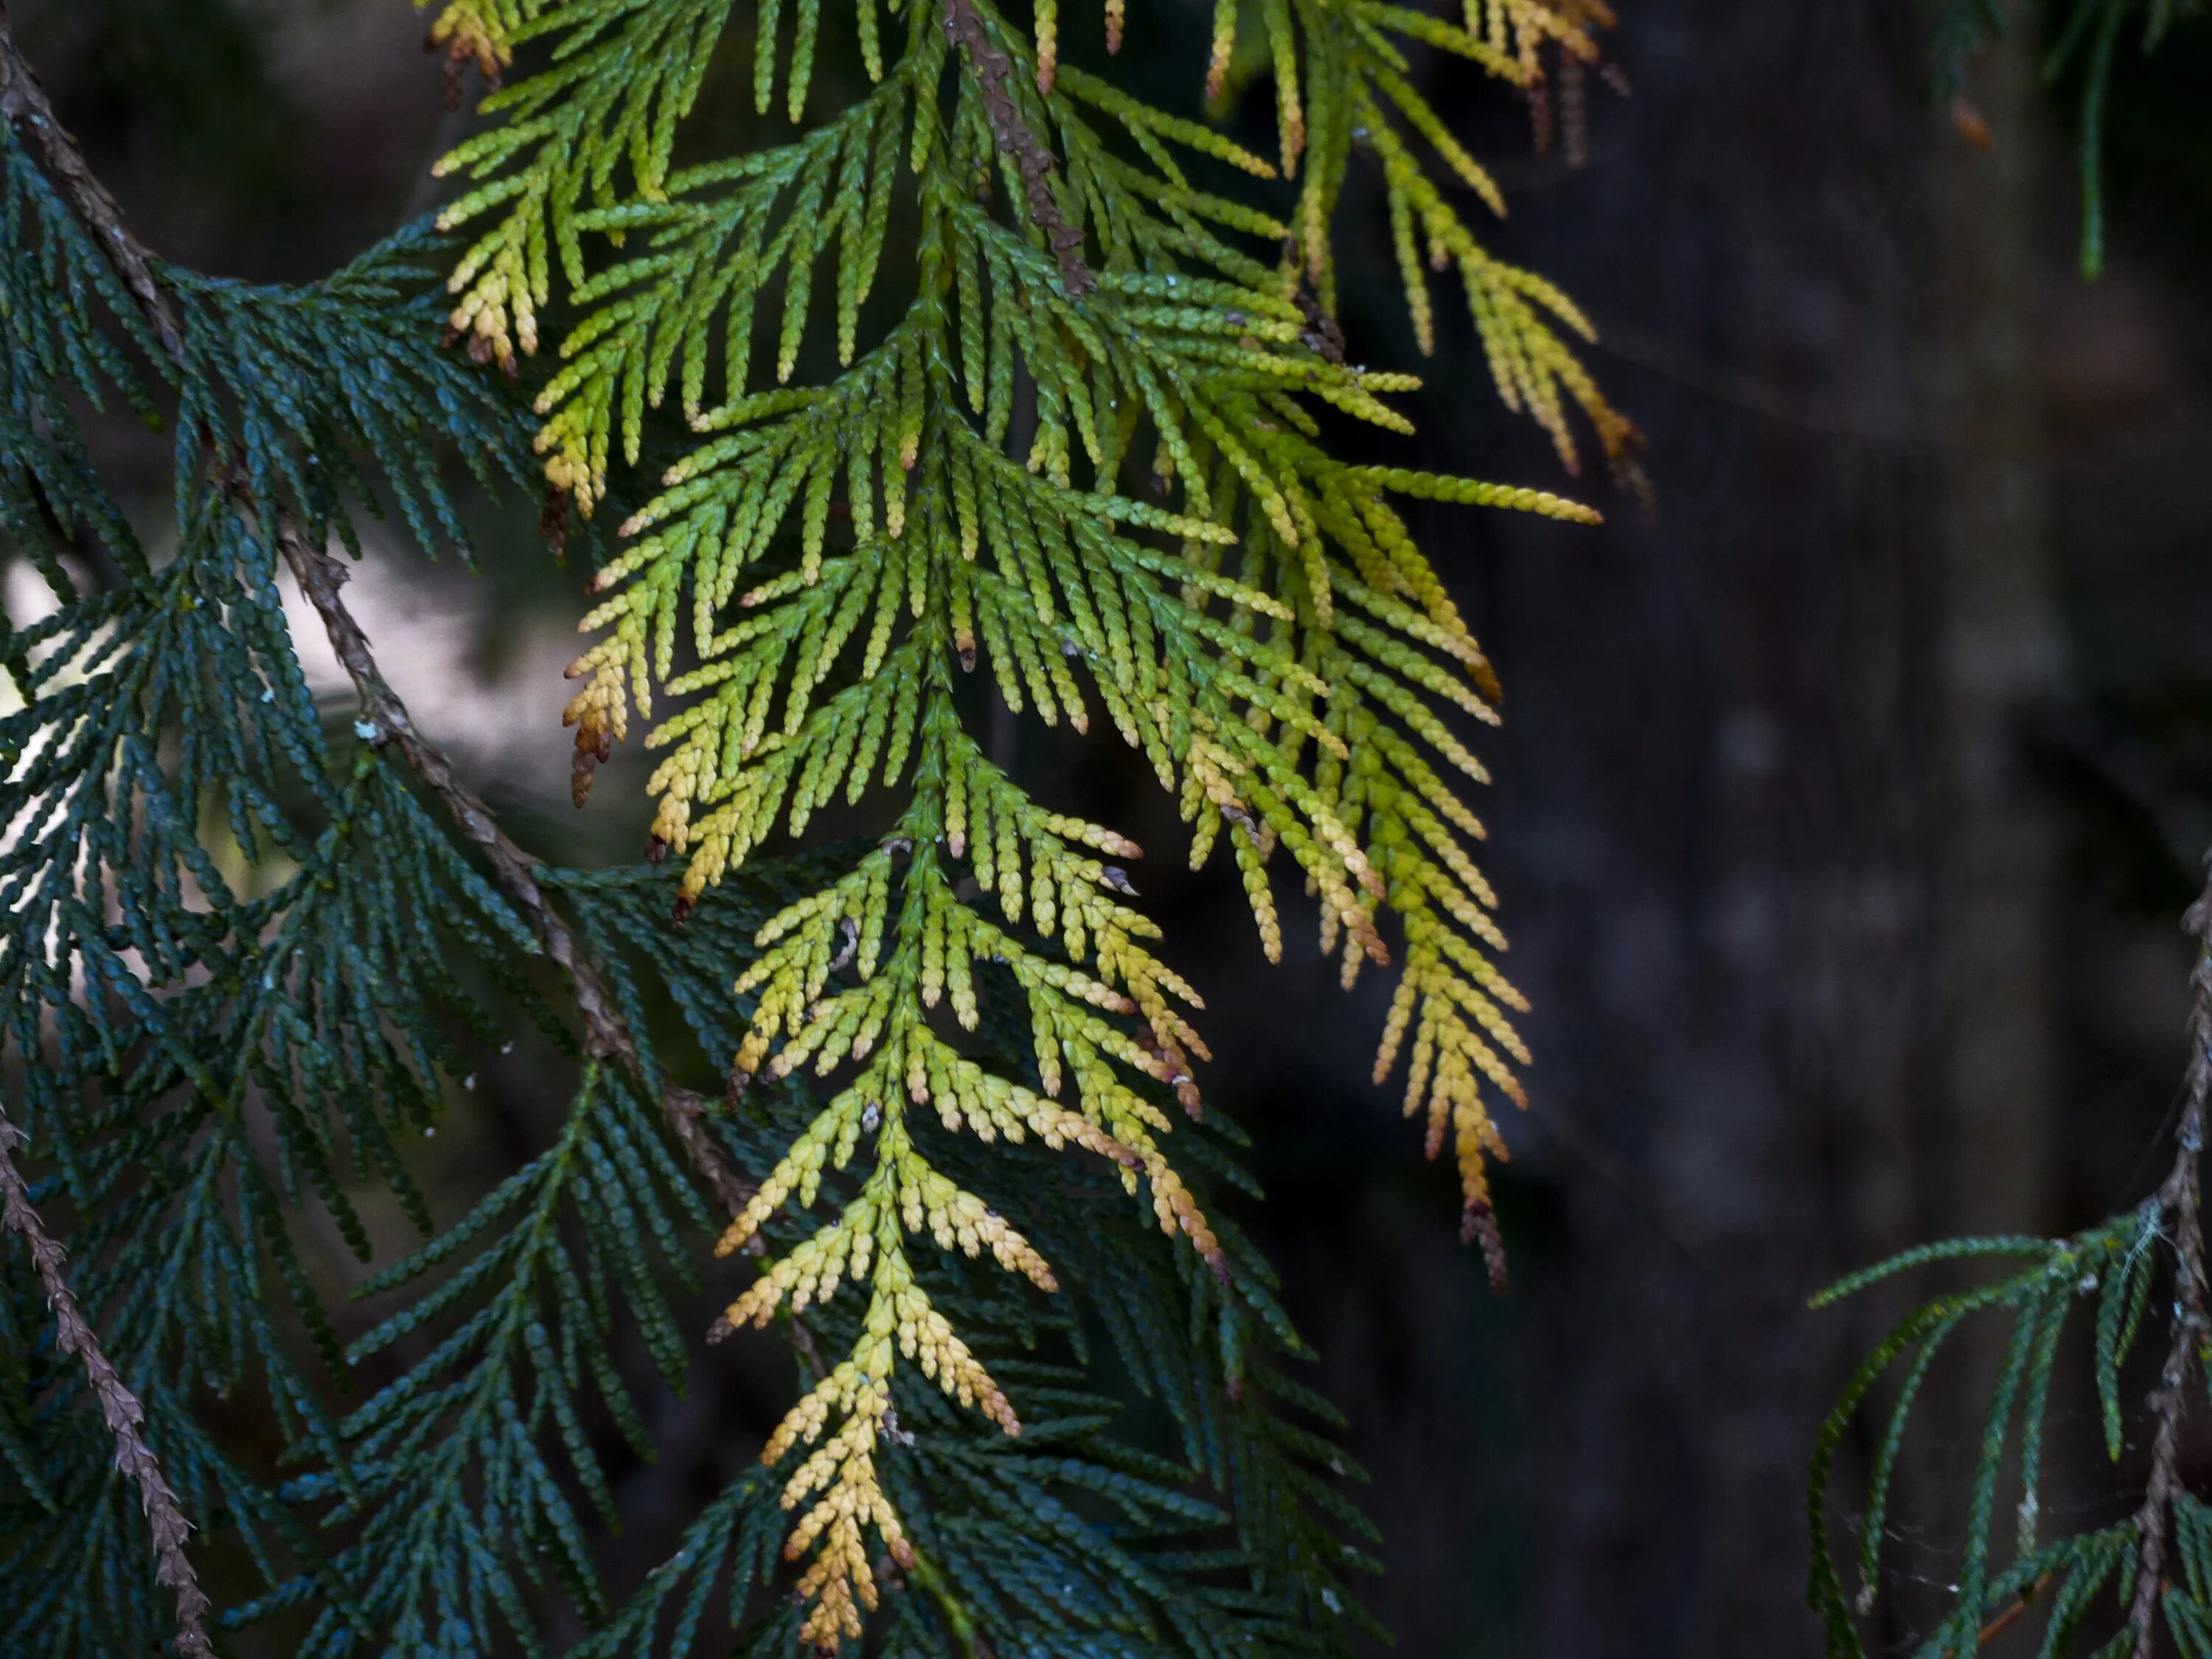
(2109, 1269)
(1076, 440)
(991, 1521)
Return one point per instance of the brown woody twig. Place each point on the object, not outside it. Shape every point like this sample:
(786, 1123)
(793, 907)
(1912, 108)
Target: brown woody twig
(2178, 1200)
(125, 1417)
(22, 98)
(993, 70)
(2013, 1612)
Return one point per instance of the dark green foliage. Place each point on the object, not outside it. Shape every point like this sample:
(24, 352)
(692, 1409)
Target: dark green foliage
(2105, 1589)
(220, 928)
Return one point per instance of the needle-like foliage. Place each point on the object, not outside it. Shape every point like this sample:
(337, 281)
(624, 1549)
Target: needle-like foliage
(1079, 437)
(235, 962)
(996, 383)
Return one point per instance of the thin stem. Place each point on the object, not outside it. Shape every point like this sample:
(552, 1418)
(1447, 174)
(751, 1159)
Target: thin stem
(125, 1417)
(2013, 1612)
(993, 70)
(2177, 1199)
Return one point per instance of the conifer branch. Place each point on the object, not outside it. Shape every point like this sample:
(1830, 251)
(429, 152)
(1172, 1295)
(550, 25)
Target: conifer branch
(846, 548)
(2178, 1198)
(125, 1416)
(606, 1036)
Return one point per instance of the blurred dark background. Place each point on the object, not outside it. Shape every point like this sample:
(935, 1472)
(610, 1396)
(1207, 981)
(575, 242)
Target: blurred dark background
(1844, 813)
